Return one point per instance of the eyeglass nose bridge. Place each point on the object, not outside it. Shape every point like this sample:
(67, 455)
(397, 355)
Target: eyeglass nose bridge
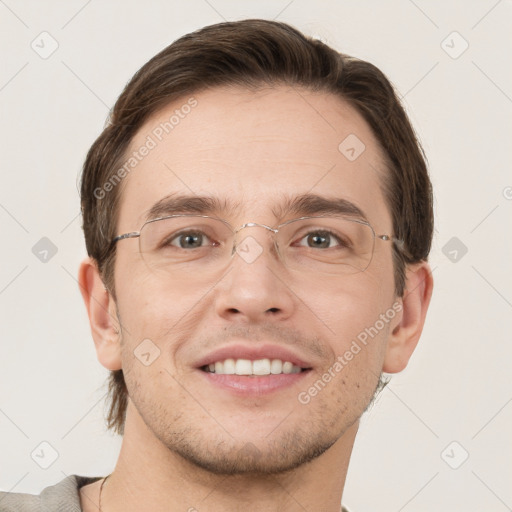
(252, 225)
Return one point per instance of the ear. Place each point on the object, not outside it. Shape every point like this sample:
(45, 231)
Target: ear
(405, 336)
(101, 309)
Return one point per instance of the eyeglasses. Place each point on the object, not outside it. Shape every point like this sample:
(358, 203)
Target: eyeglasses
(202, 244)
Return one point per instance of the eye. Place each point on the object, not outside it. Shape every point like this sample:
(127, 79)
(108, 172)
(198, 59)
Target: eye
(322, 239)
(188, 240)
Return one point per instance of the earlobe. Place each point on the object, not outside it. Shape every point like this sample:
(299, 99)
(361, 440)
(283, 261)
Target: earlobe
(101, 309)
(405, 336)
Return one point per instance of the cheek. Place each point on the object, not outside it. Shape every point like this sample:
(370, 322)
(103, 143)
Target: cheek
(358, 316)
(142, 296)
(361, 326)
(151, 307)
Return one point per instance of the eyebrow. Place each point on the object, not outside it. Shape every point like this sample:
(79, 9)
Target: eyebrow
(302, 205)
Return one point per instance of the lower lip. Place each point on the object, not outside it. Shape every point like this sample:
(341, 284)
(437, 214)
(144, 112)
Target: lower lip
(254, 385)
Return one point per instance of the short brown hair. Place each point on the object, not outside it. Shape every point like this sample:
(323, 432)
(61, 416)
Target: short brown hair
(253, 53)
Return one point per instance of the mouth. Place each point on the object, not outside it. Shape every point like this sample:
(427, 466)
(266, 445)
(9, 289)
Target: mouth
(250, 370)
(253, 368)
(253, 377)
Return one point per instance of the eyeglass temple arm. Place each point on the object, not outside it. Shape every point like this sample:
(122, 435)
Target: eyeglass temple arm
(398, 242)
(133, 234)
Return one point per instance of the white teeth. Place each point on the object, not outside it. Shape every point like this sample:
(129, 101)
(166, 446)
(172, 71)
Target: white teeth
(276, 366)
(229, 367)
(243, 367)
(261, 367)
(248, 367)
(287, 367)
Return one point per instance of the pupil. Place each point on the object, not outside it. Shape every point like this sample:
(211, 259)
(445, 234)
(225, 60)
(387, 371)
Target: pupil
(319, 240)
(191, 240)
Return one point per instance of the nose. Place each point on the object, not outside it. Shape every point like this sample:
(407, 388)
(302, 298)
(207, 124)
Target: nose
(255, 287)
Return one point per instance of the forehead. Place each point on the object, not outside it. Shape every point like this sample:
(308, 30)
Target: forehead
(254, 152)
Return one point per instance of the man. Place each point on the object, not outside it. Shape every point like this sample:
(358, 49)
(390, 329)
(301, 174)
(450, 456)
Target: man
(258, 216)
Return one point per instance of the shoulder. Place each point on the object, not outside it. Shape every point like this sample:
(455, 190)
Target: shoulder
(63, 496)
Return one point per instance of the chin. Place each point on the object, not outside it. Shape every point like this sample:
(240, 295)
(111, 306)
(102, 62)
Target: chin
(248, 458)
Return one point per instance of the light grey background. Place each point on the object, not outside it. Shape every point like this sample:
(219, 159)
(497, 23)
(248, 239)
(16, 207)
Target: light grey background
(457, 386)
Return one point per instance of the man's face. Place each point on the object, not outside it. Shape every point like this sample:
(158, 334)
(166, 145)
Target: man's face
(253, 150)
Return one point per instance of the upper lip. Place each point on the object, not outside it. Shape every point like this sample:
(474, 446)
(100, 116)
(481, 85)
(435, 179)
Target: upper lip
(263, 351)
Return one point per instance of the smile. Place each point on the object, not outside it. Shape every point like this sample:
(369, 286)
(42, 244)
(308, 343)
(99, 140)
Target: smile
(258, 367)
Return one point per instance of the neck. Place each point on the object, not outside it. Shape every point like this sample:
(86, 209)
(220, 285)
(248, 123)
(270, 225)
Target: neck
(148, 476)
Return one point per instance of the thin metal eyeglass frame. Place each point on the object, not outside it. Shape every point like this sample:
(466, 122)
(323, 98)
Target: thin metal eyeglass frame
(385, 238)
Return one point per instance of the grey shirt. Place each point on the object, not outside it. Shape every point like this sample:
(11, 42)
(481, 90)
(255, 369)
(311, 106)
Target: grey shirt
(61, 497)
